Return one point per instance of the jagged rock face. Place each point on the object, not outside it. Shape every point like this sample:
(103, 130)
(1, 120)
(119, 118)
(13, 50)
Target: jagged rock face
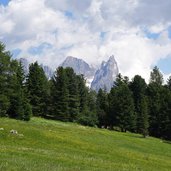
(48, 71)
(79, 66)
(106, 75)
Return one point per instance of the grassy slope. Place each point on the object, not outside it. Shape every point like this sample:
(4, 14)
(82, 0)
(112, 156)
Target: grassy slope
(49, 145)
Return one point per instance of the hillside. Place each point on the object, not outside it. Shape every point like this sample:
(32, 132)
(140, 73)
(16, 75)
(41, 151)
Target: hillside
(50, 145)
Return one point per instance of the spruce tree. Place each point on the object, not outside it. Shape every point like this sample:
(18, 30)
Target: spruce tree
(37, 89)
(102, 108)
(122, 106)
(154, 95)
(73, 99)
(60, 95)
(19, 106)
(138, 87)
(5, 57)
(165, 113)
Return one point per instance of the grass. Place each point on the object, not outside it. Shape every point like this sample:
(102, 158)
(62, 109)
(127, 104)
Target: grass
(57, 146)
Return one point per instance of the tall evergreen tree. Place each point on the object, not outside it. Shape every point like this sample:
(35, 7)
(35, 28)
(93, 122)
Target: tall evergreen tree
(122, 106)
(138, 87)
(60, 95)
(5, 57)
(154, 95)
(73, 99)
(19, 105)
(102, 108)
(37, 88)
(87, 116)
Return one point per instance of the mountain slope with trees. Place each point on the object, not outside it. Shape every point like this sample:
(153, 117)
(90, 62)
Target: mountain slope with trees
(132, 106)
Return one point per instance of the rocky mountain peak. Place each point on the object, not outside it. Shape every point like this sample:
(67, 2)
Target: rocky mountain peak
(106, 75)
(79, 66)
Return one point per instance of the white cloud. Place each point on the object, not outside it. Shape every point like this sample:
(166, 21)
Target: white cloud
(29, 23)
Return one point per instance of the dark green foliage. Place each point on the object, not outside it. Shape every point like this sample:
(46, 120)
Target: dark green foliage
(73, 99)
(87, 100)
(143, 117)
(88, 118)
(169, 83)
(37, 89)
(4, 77)
(154, 91)
(83, 93)
(27, 111)
(122, 106)
(102, 108)
(18, 99)
(156, 98)
(92, 98)
(60, 95)
(89, 115)
(165, 112)
(12, 95)
(4, 105)
(138, 87)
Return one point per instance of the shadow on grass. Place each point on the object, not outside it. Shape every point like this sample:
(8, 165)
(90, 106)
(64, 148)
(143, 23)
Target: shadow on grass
(168, 142)
(135, 135)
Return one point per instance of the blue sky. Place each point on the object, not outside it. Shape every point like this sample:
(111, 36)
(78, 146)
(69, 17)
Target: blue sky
(165, 65)
(4, 2)
(50, 30)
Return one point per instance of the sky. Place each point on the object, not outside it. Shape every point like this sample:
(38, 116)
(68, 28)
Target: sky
(136, 32)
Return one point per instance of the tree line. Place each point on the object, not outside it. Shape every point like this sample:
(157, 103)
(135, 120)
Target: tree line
(130, 105)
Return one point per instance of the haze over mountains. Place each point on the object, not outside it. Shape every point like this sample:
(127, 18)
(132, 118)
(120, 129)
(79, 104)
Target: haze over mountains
(96, 78)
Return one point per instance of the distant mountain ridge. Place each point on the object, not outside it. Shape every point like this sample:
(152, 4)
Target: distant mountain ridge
(103, 77)
(96, 78)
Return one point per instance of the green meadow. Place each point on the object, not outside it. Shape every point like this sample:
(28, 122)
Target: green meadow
(45, 145)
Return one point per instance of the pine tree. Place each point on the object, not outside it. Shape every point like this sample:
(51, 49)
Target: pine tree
(73, 99)
(154, 95)
(5, 57)
(37, 89)
(19, 105)
(138, 87)
(60, 95)
(122, 106)
(102, 108)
